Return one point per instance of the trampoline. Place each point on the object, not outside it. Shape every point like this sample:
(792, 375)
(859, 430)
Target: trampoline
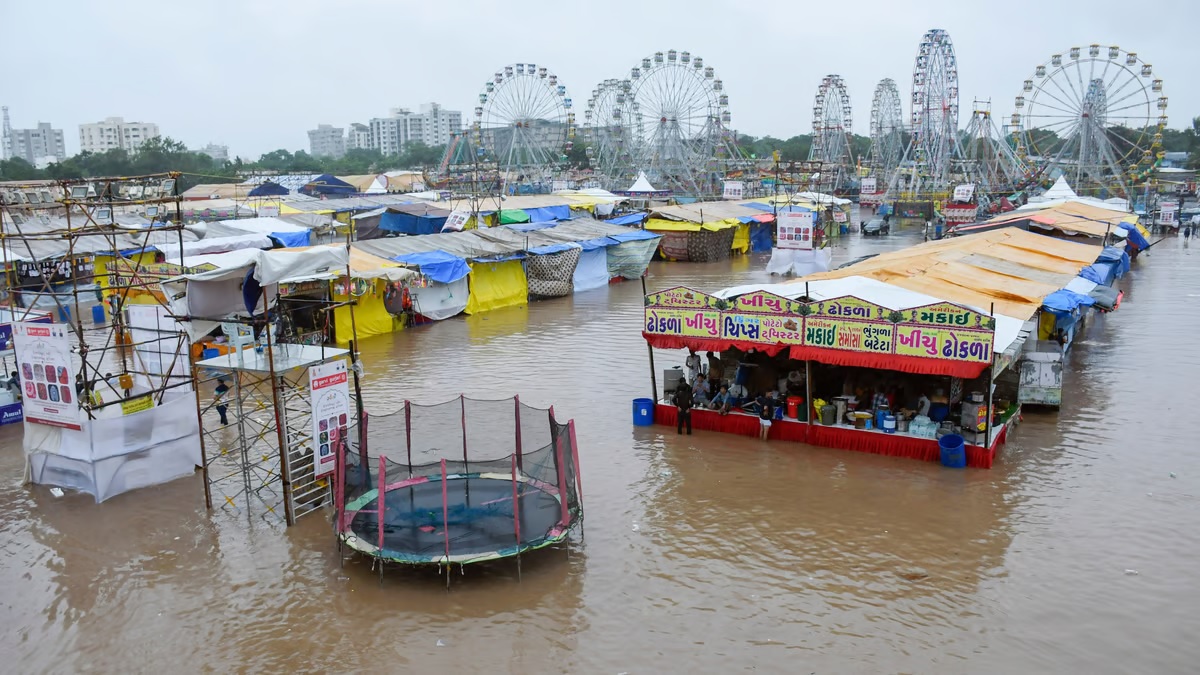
(489, 498)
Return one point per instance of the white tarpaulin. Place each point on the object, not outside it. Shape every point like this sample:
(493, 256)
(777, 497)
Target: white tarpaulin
(789, 261)
(592, 270)
(440, 301)
(215, 245)
(159, 346)
(109, 456)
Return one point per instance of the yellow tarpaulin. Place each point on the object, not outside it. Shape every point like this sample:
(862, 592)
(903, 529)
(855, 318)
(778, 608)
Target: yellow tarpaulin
(661, 225)
(371, 317)
(495, 285)
(741, 238)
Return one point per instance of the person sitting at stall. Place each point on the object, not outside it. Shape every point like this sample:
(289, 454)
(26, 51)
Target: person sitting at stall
(722, 401)
(700, 391)
(766, 412)
(923, 404)
(692, 364)
(880, 400)
(683, 405)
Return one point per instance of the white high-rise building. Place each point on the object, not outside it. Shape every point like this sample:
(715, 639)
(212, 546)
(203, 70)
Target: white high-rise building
(438, 124)
(218, 152)
(39, 146)
(114, 133)
(327, 141)
(358, 136)
(432, 126)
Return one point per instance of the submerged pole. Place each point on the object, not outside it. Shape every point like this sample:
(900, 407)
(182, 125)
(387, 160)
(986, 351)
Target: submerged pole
(650, 351)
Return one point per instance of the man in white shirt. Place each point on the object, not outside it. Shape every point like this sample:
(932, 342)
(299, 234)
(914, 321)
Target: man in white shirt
(692, 363)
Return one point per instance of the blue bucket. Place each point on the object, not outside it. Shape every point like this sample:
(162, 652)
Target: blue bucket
(643, 412)
(98, 315)
(954, 451)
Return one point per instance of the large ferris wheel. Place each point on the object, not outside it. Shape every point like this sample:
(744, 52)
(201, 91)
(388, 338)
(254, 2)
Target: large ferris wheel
(610, 114)
(1095, 115)
(675, 118)
(832, 122)
(934, 114)
(524, 121)
(887, 131)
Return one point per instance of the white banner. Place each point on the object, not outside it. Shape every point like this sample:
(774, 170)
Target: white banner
(868, 186)
(839, 216)
(964, 193)
(733, 189)
(456, 221)
(1166, 213)
(43, 352)
(795, 230)
(559, 185)
(268, 211)
(329, 389)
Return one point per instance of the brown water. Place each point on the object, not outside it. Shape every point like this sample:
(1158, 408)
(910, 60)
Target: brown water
(745, 556)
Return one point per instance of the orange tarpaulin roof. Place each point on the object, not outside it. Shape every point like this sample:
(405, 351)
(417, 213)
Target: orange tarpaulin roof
(1008, 268)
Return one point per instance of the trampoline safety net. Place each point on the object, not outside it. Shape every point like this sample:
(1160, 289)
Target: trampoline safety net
(458, 482)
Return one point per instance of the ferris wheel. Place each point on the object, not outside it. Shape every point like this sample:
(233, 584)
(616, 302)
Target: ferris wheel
(934, 113)
(1096, 115)
(832, 121)
(887, 131)
(524, 121)
(675, 117)
(610, 113)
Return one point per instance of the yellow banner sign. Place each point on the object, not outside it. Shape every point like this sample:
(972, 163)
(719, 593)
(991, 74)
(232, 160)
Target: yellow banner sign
(135, 405)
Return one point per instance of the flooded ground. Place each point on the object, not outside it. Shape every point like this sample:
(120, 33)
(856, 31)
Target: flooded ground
(708, 553)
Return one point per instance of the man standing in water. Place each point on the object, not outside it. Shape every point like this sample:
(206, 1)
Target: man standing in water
(219, 399)
(683, 407)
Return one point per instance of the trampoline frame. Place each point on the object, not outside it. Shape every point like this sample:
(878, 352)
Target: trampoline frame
(374, 547)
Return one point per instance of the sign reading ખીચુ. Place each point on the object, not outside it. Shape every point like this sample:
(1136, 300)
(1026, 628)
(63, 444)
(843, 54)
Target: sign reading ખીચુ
(329, 388)
(43, 353)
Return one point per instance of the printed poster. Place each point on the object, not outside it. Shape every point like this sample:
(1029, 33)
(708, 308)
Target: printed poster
(868, 186)
(43, 352)
(456, 221)
(795, 230)
(329, 389)
(733, 189)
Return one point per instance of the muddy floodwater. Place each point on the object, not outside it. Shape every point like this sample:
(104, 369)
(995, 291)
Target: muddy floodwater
(711, 553)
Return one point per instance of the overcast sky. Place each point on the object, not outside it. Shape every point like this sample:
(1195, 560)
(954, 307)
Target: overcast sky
(256, 74)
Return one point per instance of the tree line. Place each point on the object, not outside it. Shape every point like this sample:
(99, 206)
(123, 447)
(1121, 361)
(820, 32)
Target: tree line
(165, 154)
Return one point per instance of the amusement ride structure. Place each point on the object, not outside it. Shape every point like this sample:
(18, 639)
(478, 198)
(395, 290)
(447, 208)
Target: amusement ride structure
(934, 119)
(673, 112)
(1095, 115)
(831, 143)
(887, 139)
(524, 122)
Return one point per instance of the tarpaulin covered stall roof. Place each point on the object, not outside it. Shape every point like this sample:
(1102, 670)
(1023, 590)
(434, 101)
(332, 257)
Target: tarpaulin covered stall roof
(328, 184)
(288, 234)
(981, 269)
(417, 218)
(437, 265)
(1065, 301)
(627, 219)
(268, 189)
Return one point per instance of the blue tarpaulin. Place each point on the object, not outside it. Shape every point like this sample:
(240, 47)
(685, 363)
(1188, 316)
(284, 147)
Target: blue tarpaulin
(634, 235)
(1117, 255)
(530, 227)
(545, 213)
(602, 242)
(1064, 301)
(552, 248)
(328, 184)
(760, 206)
(1098, 273)
(1134, 236)
(293, 239)
(437, 265)
(269, 189)
(410, 223)
(629, 219)
(760, 238)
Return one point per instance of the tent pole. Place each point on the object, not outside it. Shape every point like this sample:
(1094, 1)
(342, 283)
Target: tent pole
(650, 351)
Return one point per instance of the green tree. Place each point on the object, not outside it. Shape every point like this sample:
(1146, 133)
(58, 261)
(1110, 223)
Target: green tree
(18, 169)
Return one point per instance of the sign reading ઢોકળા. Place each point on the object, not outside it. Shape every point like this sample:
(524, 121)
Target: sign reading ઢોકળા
(329, 391)
(43, 352)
